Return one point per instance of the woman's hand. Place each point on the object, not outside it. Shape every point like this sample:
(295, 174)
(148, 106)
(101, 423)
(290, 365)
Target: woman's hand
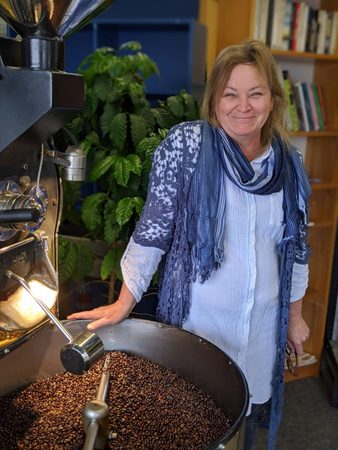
(298, 331)
(109, 314)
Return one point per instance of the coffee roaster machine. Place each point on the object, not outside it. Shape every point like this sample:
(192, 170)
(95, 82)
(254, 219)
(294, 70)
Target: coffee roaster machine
(37, 99)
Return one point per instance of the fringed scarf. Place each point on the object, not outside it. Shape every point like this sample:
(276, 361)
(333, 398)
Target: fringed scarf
(198, 244)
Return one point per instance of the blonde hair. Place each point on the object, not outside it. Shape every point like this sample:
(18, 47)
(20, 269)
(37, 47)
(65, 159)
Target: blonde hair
(249, 52)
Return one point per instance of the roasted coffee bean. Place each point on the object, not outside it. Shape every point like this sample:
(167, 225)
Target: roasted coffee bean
(150, 407)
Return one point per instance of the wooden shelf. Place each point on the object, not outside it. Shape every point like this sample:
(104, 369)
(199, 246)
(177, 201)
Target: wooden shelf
(304, 55)
(319, 134)
(324, 186)
(320, 224)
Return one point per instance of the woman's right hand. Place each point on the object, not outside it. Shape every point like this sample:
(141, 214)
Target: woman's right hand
(109, 314)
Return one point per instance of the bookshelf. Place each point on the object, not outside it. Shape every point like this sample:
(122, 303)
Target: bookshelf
(230, 22)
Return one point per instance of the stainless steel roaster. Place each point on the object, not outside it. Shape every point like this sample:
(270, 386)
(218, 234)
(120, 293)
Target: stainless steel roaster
(188, 355)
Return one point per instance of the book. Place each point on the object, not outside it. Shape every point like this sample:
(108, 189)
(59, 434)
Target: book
(333, 43)
(286, 27)
(270, 22)
(277, 24)
(263, 22)
(322, 106)
(312, 31)
(318, 109)
(314, 115)
(322, 20)
(302, 28)
(258, 12)
(301, 109)
(295, 25)
(288, 121)
(307, 106)
(328, 31)
(294, 120)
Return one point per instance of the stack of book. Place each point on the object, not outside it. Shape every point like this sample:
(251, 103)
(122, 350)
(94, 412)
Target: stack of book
(294, 25)
(306, 111)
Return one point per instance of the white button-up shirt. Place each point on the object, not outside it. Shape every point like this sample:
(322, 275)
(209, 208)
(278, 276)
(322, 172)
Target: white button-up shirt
(236, 308)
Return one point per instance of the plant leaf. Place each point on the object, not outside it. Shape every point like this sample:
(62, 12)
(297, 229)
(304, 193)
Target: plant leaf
(138, 204)
(126, 207)
(101, 168)
(118, 133)
(135, 165)
(91, 102)
(131, 45)
(111, 263)
(102, 84)
(191, 107)
(176, 105)
(84, 261)
(122, 170)
(139, 128)
(67, 264)
(111, 227)
(92, 209)
(124, 210)
(109, 111)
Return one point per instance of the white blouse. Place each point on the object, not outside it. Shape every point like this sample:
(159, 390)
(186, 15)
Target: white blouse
(237, 308)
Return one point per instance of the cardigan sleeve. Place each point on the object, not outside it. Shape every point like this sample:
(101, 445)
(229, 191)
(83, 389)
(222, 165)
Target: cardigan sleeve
(172, 161)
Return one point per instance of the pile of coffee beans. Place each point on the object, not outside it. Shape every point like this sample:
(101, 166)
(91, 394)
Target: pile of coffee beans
(150, 407)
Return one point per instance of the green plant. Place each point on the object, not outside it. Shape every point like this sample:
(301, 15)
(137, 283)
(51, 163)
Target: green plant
(119, 130)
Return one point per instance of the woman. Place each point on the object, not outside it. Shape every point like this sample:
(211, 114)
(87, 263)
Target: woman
(226, 214)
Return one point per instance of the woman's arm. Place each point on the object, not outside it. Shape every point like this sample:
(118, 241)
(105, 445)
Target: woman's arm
(298, 331)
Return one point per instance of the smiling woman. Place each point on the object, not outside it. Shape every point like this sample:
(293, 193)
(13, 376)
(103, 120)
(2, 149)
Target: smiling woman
(226, 211)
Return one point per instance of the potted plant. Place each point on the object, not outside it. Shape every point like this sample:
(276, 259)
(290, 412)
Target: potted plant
(119, 130)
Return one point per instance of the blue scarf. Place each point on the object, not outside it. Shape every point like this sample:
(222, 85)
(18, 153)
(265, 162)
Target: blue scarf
(198, 244)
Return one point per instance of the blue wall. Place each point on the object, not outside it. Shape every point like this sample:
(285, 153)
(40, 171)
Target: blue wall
(169, 33)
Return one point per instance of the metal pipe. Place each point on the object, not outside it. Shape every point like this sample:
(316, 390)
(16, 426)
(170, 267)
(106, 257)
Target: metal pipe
(56, 321)
(91, 435)
(104, 382)
(95, 414)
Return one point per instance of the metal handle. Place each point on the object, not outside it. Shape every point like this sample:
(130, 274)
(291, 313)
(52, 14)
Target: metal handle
(56, 321)
(95, 415)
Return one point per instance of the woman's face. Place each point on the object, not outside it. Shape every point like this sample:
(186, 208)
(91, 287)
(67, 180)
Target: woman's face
(245, 103)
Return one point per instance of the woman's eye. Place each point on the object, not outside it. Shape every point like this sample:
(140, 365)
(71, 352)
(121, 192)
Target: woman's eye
(256, 94)
(229, 94)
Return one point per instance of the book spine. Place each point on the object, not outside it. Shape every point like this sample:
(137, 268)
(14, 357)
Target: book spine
(322, 19)
(295, 25)
(328, 32)
(258, 12)
(294, 121)
(302, 108)
(287, 23)
(333, 43)
(318, 109)
(308, 107)
(302, 29)
(312, 36)
(314, 115)
(322, 106)
(263, 24)
(270, 22)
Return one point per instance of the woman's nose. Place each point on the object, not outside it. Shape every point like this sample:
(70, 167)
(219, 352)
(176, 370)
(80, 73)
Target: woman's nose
(243, 103)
